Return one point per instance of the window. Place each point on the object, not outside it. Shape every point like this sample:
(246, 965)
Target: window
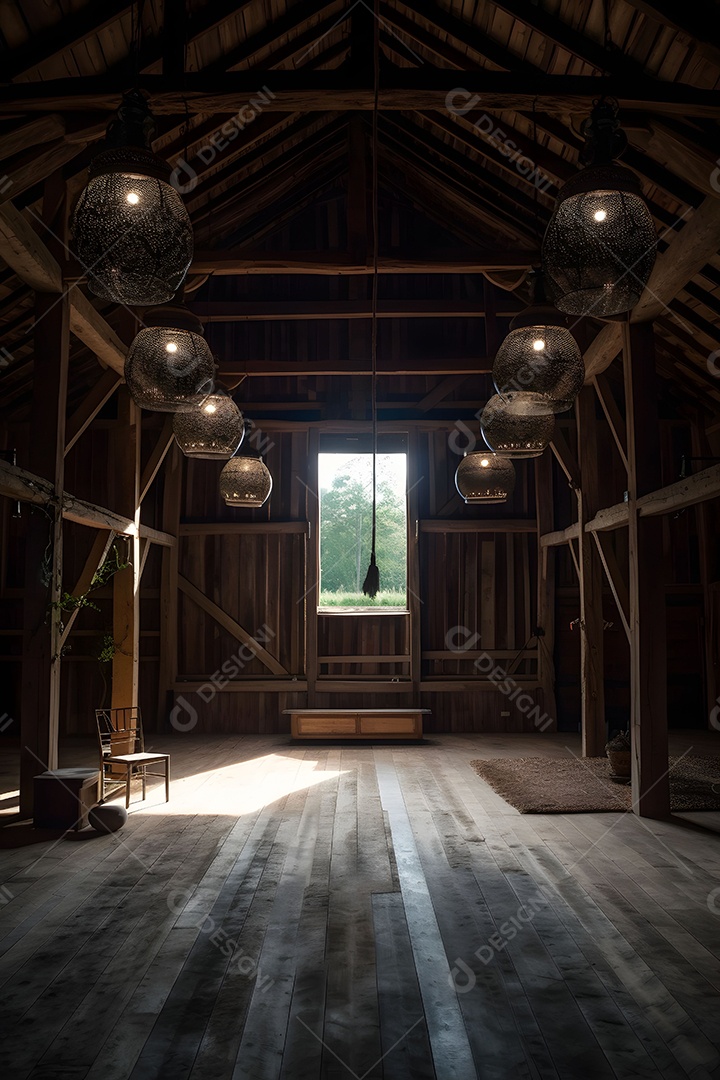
(345, 483)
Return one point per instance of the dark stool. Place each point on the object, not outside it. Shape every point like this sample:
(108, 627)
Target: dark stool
(62, 798)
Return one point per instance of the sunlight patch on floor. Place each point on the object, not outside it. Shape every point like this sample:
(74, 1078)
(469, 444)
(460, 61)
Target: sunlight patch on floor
(241, 788)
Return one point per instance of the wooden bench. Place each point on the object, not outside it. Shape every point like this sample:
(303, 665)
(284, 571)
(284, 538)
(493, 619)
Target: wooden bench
(356, 723)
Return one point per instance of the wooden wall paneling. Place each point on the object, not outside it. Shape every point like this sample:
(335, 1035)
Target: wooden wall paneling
(648, 649)
(125, 465)
(241, 633)
(594, 735)
(510, 580)
(40, 691)
(487, 595)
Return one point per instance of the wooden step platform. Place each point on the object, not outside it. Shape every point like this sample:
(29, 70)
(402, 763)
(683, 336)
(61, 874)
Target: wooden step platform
(356, 723)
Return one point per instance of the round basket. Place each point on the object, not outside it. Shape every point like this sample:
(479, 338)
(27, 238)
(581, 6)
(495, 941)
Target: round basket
(619, 762)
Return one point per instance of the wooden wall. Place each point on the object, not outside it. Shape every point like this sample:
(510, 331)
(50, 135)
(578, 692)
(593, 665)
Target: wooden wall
(476, 569)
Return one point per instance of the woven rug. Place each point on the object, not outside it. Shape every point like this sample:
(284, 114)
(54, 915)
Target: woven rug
(578, 786)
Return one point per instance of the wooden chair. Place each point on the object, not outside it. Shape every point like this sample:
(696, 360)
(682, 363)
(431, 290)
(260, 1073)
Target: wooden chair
(122, 751)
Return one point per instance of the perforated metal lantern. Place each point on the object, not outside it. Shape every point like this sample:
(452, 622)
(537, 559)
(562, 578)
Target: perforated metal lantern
(245, 481)
(169, 367)
(540, 356)
(132, 233)
(511, 425)
(484, 477)
(214, 429)
(600, 245)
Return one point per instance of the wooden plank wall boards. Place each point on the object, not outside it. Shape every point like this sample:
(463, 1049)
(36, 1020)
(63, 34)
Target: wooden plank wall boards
(591, 582)
(647, 614)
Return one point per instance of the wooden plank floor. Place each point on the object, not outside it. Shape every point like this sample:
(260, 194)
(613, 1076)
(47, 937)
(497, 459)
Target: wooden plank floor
(340, 911)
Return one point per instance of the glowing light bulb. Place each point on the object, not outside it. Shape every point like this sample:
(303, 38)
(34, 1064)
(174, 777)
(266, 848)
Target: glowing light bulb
(600, 215)
(538, 345)
(133, 198)
(484, 462)
(171, 347)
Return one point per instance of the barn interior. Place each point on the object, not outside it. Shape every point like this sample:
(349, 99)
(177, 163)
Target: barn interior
(392, 845)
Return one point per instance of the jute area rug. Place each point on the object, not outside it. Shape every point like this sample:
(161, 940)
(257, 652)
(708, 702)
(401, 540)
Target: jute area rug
(578, 786)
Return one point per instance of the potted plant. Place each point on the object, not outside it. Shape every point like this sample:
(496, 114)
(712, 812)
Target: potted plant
(618, 751)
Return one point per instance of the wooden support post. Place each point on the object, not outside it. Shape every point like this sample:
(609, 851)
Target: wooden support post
(168, 673)
(40, 695)
(705, 521)
(647, 616)
(125, 464)
(545, 514)
(312, 569)
(594, 735)
(414, 599)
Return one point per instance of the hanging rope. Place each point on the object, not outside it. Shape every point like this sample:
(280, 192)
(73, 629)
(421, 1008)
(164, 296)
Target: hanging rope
(371, 585)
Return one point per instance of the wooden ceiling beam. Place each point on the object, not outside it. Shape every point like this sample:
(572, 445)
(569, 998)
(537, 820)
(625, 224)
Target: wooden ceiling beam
(550, 26)
(479, 200)
(37, 132)
(684, 20)
(449, 26)
(334, 91)
(20, 484)
(268, 140)
(22, 248)
(272, 310)
(264, 368)
(235, 263)
(256, 226)
(32, 167)
(293, 22)
(25, 252)
(686, 255)
(87, 323)
(210, 17)
(263, 189)
(69, 31)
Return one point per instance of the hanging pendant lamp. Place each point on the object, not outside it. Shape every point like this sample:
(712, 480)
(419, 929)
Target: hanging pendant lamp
(215, 429)
(132, 232)
(245, 480)
(540, 356)
(169, 367)
(511, 425)
(484, 477)
(600, 245)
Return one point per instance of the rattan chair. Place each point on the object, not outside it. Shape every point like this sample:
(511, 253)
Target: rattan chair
(122, 751)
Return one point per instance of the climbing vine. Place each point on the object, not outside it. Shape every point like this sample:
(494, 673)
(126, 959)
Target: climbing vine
(112, 564)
